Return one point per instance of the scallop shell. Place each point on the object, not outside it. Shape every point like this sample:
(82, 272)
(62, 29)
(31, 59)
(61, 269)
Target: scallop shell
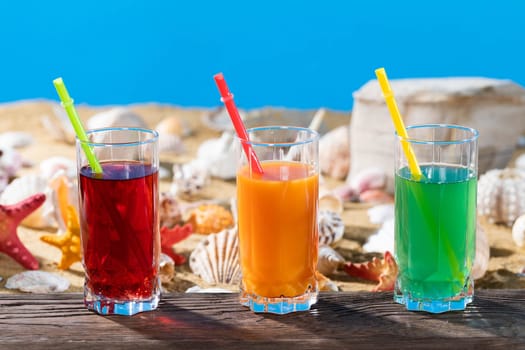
(15, 139)
(210, 218)
(329, 201)
(37, 282)
(481, 260)
(501, 195)
(220, 156)
(329, 260)
(189, 179)
(334, 152)
(216, 258)
(116, 117)
(170, 211)
(220, 120)
(331, 227)
(518, 231)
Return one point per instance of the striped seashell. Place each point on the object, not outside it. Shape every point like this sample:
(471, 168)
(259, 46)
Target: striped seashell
(216, 258)
(331, 227)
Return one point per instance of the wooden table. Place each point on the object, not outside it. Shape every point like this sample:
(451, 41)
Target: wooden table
(341, 320)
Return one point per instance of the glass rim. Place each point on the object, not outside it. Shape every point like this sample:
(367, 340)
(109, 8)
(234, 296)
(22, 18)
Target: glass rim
(474, 134)
(314, 136)
(153, 139)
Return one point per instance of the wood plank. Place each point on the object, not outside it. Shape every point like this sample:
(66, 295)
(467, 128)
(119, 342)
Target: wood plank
(362, 320)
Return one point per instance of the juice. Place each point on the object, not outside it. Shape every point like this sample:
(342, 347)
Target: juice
(119, 228)
(435, 231)
(278, 229)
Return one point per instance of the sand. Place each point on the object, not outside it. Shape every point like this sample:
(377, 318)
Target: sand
(505, 262)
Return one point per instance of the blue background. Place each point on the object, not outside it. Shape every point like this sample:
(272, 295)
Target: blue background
(299, 54)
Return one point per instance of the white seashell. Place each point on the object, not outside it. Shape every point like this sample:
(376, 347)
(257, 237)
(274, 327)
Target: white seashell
(170, 210)
(334, 152)
(189, 179)
(381, 213)
(220, 120)
(51, 166)
(329, 201)
(220, 156)
(331, 227)
(166, 268)
(15, 139)
(10, 161)
(329, 260)
(172, 125)
(26, 186)
(197, 289)
(116, 117)
(58, 125)
(383, 239)
(216, 258)
(37, 282)
(518, 231)
(501, 195)
(520, 162)
(481, 260)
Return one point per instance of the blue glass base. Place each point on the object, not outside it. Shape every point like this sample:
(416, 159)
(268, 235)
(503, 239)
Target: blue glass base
(436, 306)
(106, 306)
(279, 306)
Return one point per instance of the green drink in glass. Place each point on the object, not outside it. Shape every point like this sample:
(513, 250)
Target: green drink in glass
(436, 219)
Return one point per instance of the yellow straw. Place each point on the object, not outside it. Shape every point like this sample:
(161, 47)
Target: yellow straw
(398, 122)
(67, 103)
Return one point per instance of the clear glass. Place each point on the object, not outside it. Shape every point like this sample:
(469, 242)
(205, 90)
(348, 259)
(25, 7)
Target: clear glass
(119, 221)
(277, 218)
(435, 218)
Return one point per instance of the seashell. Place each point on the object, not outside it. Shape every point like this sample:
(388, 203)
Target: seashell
(170, 211)
(210, 218)
(58, 125)
(116, 117)
(334, 152)
(380, 213)
(518, 231)
(10, 161)
(48, 214)
(331, 227)
(220, 156)
(325, 284)
(169, 143)
(520, 162)
(219, 119)
(383, 271)
(501, 195)
(166, 268)
(189, 179)
(383, 240)
(197, 289)
(329, 201)
(37, 282)
(482, 257)
(328, 260)
(368, 179)
(172, 125)
(51, 166)
(4, 180)
(15, 139)
(216, 258)
(376, 196)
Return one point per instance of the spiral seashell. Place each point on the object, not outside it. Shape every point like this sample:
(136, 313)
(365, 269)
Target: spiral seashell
(518, 231)
(331, 227)
(216, 258)
(328, 260)
(501, 195)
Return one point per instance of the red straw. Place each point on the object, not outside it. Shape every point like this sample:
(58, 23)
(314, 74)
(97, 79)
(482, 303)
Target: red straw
(227, 99)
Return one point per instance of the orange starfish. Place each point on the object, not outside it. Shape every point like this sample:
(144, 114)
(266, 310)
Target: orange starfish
(10, 217)
(68, 242)
(170, 236)
(383, 271)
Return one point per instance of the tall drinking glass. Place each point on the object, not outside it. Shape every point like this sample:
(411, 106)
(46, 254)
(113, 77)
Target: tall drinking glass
(278, 236)
(435, 218)
(119, 221)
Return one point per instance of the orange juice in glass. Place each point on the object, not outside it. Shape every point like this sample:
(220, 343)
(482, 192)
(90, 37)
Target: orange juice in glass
(277, 220)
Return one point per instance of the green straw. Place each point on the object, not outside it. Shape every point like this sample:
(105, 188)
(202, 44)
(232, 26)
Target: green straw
(67, 103)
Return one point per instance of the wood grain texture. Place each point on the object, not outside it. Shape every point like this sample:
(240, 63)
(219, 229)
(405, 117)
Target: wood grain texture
(347, 320)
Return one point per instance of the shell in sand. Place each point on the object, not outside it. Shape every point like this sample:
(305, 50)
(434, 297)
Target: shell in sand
(37, 282)
(216, 258)
(331, 227)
